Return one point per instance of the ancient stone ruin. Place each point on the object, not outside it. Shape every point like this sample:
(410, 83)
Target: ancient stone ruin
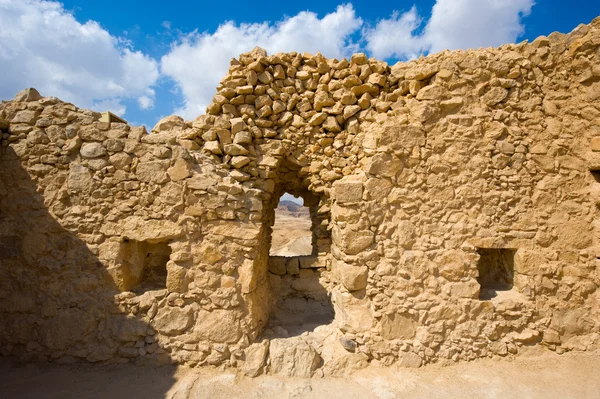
(454, 204)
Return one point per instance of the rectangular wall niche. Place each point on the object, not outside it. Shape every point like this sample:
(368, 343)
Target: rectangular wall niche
(496, 268)
(144, 264)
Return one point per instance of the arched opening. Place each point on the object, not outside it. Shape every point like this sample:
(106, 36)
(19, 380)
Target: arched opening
(299, 275)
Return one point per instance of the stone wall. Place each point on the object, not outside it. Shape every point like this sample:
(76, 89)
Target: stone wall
(454, 200)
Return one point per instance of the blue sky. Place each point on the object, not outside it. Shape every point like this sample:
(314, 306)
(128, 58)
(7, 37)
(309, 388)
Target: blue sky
(149, 59)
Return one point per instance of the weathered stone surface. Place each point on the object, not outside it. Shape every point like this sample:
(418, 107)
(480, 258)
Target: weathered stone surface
(92, 150)
(30, 94)
(218, 326)
(397, 326)
(173, 320)
(293, 359)
(80, 179)
(255, 359)
(180, 170)
(348, 190)
(353, 278)
(138, 229)
(453, 202)
(168, 123)
(152, 172)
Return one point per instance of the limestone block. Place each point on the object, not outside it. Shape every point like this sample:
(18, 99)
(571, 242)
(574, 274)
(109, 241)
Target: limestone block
(293, 266)
(243, 137)
(237, 125)
(332, 125)
(312, 262)
(405, 234)
(255, 359)
(317, 119)
(347, 190)
(293, 358)
(120, 160)
(494, 96)
(152, 172)
(126, 328)
(378, 189)
(180, 170)
(573, 234)
(220, 325)
(173, 320)
(595, 144)
(398, 326)
(351, 110)
(26, 116)
(469, 289)
(277, 265)
(240, 230)
(528, 262)
(249, 276)
(168, 123)
(352, 241)
(383, 164)
(29, 94)
(353, 278)
(213, 147)
(80, 179)
(431, 92)
(410, 360)
(176, 277)
(138, 229)
(422, 72)
(239, 161)
(353, 311)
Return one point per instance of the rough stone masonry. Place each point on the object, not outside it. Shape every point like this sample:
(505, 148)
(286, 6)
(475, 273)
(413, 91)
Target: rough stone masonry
(454, 202)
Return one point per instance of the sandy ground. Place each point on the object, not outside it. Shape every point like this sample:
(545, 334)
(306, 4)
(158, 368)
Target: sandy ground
(291, 236)
(546, 376)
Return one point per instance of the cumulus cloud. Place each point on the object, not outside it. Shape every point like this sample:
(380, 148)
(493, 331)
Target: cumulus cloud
(45, 47)
(454, 24)
(199, 60)
(394, 37)
(466, 24)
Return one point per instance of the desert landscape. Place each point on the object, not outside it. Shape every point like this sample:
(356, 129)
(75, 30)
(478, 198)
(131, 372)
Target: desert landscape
(292, 234)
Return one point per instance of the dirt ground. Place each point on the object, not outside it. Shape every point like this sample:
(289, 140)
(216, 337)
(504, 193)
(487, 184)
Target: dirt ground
(540, 376)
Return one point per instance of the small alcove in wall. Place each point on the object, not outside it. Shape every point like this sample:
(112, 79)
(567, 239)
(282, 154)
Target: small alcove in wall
(144, 264)
(496, 267)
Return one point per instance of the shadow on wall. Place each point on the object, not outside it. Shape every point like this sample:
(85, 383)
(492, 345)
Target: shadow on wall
(57, 301)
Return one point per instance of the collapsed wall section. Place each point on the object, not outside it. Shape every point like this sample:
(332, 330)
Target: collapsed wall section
(432, 180)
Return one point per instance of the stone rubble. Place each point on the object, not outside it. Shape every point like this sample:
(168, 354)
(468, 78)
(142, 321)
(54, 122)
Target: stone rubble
(117, 245)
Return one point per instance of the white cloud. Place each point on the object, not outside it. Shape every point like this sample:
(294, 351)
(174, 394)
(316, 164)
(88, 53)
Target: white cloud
(145, 102)
(466, 24)
(45, 47)
(113, 105)
(394, 37)
(199, 60)
(454, 24)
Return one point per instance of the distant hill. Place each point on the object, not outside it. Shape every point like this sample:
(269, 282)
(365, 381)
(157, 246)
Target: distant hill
(290, 208)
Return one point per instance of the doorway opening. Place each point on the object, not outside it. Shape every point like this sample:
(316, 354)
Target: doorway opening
(298, 261)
